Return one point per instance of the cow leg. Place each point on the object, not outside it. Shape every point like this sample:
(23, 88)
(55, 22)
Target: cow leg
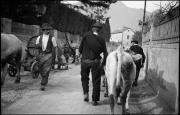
(103, 81)
(118, 91)
(18, 66)
(106, 87)
(124, 98)
(112, 103)
(127, 104)
(3, 73)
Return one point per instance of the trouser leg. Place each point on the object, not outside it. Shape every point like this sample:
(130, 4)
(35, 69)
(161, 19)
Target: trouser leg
(96, 79)
(45, 70)
(85, 69)
(137, 73)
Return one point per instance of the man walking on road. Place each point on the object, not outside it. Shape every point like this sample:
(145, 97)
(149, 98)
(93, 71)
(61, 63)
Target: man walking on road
(45, 43)
(92, 45)
(138, 59)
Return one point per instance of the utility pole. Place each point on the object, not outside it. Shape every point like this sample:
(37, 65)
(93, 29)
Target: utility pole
(144, 15)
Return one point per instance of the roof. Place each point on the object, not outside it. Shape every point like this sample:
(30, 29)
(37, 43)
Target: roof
(121, 30)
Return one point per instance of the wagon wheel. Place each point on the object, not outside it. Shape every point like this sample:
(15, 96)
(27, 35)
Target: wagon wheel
(31, 47)
(12, 70)
(35, 69)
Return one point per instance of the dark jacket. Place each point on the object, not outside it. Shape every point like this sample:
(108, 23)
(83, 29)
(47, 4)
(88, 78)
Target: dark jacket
(138, 50)
(92, 46)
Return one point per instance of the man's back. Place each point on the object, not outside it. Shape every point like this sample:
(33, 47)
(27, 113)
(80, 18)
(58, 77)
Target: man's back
(138, 50)
(91, 46)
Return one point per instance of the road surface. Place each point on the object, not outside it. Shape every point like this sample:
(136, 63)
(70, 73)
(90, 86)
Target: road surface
(64, 95)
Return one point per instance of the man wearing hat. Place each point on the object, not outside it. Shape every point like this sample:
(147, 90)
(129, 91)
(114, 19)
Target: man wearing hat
(45, 42)
(138, 57)
(92, 45)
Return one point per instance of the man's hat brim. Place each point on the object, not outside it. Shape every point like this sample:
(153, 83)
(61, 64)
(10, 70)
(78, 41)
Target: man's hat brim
(97, 25)
(46, 27)
(134, 41)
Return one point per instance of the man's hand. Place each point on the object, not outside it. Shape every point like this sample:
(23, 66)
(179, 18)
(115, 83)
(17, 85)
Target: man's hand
(37, 46)
(136, 57)
(142, 65)
(80, 56)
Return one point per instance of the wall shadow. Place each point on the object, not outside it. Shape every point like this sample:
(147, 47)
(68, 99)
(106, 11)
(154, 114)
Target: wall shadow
(166, 90)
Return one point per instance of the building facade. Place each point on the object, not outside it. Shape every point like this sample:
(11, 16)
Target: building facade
(123, 35)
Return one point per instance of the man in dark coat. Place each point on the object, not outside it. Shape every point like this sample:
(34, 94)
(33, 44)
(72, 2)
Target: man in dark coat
(45, 43)
(135, 50)
(92, 45)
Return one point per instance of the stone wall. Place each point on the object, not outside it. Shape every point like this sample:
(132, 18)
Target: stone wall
(161, 47)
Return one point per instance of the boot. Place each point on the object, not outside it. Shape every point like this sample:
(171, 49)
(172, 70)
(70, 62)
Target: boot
(43, 88)
(86, 97)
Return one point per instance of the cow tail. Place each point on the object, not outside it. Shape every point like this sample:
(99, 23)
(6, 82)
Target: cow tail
(119, 60)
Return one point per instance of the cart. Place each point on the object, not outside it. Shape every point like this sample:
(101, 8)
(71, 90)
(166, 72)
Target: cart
(30, 63)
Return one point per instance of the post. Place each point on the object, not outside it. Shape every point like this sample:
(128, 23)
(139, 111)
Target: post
(144, 15)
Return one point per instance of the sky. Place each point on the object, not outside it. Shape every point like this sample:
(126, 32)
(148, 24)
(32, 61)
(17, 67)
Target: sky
(150, 5)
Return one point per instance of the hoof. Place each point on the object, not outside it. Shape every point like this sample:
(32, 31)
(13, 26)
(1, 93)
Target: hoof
(2, 84)
(35, 75)
(105, 95)
(17, 81)
(86, 97)
(127, 112)
(94, 103)
(42, 88)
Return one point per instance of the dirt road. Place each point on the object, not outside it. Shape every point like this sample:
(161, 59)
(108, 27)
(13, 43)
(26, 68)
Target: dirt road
(64, 96)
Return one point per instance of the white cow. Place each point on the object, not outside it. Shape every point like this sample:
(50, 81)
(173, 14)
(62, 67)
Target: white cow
(120, 72)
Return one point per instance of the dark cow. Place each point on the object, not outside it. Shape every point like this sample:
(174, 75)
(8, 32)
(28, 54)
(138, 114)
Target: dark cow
(11, 53)
(120, 72)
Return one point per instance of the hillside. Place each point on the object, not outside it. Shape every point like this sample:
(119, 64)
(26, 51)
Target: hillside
(121, 15)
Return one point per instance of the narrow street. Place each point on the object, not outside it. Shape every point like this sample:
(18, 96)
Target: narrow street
(64, 96)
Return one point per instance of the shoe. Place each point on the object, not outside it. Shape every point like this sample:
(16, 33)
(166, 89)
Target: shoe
(94, 103)
(86, 97)
(105, 94)
(42, 88)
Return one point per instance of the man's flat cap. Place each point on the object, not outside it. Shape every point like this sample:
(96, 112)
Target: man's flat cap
(135, 41)
(98, 25)
(46, 26)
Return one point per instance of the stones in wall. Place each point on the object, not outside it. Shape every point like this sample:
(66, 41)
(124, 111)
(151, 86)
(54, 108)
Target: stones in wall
(167, 30)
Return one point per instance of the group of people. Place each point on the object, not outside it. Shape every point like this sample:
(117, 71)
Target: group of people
(92, 45)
